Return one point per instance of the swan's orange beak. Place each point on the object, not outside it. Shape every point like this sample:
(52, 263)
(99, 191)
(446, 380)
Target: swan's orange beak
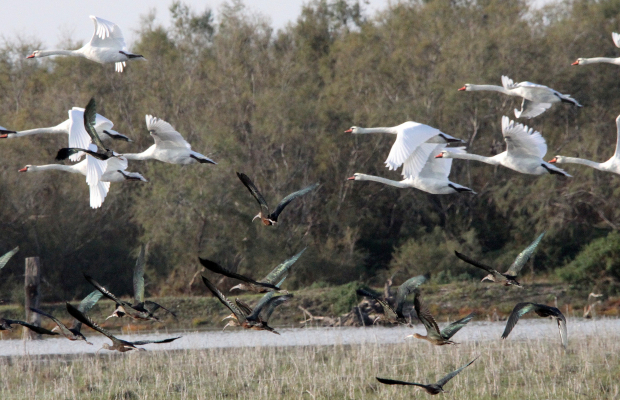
(440, 155)
(575, 63)
(553, 161)
(463, 88)
(31, 56)
(23, 169)
(351, 178)
(4, 136)
(348, 131)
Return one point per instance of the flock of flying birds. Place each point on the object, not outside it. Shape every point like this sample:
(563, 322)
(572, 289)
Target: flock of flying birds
(422, 152)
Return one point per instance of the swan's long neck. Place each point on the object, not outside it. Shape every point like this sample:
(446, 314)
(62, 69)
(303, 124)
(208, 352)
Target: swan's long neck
(582, 161)
(145, 155)
(58, 167)
(595, 60)
(60, 128)
(45, 53)
(475, 157)
(364, 177)
(376, 130)
(488, 88)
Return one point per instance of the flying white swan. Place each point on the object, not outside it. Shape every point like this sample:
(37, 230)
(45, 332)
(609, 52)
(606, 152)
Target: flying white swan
(525, 149)
(611, 165)
(169, 147)
(407, 149)
(536, 98)
(74, 127)
(98, 174)
(595, 60)
(106, 46)
(433, 178)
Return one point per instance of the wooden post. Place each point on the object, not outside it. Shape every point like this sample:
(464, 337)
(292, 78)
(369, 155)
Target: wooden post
(32, 289)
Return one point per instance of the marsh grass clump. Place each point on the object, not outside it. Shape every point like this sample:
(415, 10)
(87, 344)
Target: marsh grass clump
(509, 369)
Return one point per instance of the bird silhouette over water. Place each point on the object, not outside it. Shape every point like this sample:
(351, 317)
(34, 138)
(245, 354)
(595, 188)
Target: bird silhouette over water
(117, 344)
(5, 325)
(542, 311)
(277, 274)
(433, 388)
(250, 283)
(266, 217)
(509, 277)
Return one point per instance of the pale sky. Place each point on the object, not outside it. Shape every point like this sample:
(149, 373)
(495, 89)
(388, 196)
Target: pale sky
(53, 21)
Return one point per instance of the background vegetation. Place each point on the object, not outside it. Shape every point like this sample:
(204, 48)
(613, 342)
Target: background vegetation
(274, 104)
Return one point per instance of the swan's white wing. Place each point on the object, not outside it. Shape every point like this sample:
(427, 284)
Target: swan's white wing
(522, 141)
(78, 137)
(98, 193)
(410, 135)
(526, 84)
(530, 109)
(164, 134)
(413, 166)
(438, 168)
(507, 83)
(616, 39)
(116, 163)
(94, 168)
(107, 34)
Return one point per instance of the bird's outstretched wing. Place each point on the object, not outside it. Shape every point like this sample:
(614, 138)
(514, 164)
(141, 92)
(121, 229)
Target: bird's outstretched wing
(395, 382)
(231, 306)
(387, 309)
(105, 291)
(61, 326)
(524, 257)
(151, 307)
(138, 276)
(426, 317)
(85, 319)
(406, 289)
(107, 34)
(7, 256)
(452, 374)
(90, 118)
(285, 201)
(215, 267)
(474, 262)
(254, 191)
(531, 109)
(164, 134)
(143, 342)
(244, 306)
(34, 328)
(519, 310)
(271, 305)
(86, 305)
(451, 329)
(281, 270)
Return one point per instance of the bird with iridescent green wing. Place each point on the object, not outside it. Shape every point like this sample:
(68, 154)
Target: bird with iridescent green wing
(90, 118)
(266, 217)
(74, 333)
(239, 313)
(117, 344)
(395, 314)
(5, 325)
(262, 311)
(278, 273)
(433, 334)
(542, 311)
(6, 257)
(433, 388)
(509, 277)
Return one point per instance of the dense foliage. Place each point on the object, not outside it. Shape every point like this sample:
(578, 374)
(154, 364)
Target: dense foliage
(274, 105)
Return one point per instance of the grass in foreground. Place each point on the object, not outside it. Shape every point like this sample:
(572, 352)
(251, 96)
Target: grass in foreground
(506, 369)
